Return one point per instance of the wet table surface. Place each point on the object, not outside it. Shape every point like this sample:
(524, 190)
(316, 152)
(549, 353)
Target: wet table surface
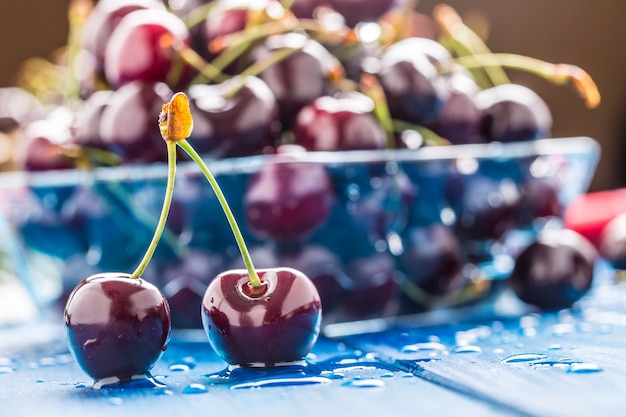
(482, 361)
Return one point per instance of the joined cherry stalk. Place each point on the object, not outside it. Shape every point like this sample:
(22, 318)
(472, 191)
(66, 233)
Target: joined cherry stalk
(116, 336)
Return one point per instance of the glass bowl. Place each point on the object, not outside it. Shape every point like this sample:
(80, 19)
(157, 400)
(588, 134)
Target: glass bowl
(406, 230)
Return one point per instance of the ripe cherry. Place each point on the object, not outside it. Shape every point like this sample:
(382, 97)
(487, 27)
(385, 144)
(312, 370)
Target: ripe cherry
(555, 270)
(127, 122)
(136, 52)
(232, 119)
(300, 78)
(513, 113)
(288, 199)
(117, 324)
(275, 323)
(339, 123)
(117, 327)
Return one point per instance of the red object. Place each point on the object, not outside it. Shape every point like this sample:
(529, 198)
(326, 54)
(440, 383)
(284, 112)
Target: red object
(589, 213)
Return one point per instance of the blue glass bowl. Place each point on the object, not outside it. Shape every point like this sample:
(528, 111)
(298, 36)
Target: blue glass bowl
(408, 230)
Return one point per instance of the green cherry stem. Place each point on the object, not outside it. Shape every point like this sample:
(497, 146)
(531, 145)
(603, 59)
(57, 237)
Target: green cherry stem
(559, 74)
(167, 202)
(245, 254)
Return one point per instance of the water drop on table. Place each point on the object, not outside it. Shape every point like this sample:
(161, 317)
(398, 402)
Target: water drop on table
(524, 357)
(195, 388)
(115, 401)
(467, 349)
(584, 368)
(364, 383)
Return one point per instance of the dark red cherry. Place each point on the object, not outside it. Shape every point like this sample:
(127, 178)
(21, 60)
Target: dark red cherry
(540, 199)
(555, 270)
(302, 77)
(137, 50)
(86, 127)
(433, 260)
(486, 208)
(117, 327)
(513, 113)
(225, 18)
(339, 123)
(288, 199)
(18, 108)
(103, 19)
(305, 9)
(127, 122)
(612, 243)
(459, 120)
(356, 11)
(409, 75)
(374, 288)
(276, 323)
(43, 144)
(229, 125)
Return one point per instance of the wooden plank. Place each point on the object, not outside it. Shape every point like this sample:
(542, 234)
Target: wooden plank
(571, 363)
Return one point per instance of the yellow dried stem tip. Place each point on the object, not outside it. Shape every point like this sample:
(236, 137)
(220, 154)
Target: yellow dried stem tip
(175, 121)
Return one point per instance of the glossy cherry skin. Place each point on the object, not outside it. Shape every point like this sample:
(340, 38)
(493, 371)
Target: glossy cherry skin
(305, 9)
(116, 326)
(433, 260)
(339, 123)
(409, 76)
(302, 77)
(127, 122)
(42, 145)
(288, 199)
(277, 323)
(225, 18)
(356, 11)
(612, 243)
(555, 270)
(459, 120)
(103, 19)
(136, 50)
(227, 125)
(513, 113)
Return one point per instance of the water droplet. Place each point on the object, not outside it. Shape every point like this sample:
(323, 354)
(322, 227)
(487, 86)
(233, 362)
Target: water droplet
(115, 401)
(39, 380)
(387, 375)
(584, 368)
(561, 329)
(195, 388)
(554, 347)
(47, 362)
(333, 374)
(524, 357)
(135, 382)
(467, 349)
(80, 385)
(285, 381)
(415, 347)
(6, 370)
(179, 367)
(364, 383)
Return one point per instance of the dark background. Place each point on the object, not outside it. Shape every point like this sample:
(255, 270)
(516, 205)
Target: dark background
(587, 33)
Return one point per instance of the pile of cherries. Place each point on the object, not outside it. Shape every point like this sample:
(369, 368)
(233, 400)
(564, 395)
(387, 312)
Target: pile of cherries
(283, 79)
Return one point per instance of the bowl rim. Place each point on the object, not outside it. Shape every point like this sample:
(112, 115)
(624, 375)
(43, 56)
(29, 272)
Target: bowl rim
(579, 145)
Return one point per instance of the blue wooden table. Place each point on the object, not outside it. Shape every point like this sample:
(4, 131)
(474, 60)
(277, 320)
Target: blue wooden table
(490, 360)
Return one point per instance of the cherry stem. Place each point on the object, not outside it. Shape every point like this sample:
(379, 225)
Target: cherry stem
(372, 88)
(207, 70)
(465, 42)
(167, 202)
(77, 15)
(560, 74)
(255, 281)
